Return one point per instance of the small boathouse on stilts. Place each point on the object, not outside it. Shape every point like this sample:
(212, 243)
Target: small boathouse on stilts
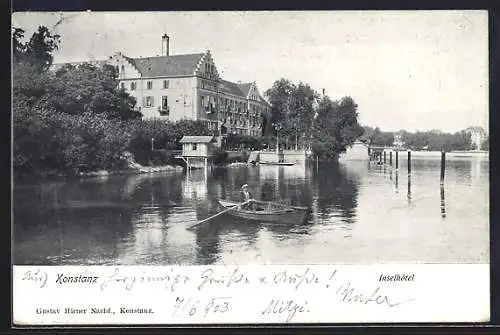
(197, 151)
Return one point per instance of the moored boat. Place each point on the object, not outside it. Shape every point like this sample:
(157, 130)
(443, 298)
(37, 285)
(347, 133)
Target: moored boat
(278, 163)
(267, 212)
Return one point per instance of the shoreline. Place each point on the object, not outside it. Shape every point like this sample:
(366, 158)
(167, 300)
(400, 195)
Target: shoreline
(100, 174)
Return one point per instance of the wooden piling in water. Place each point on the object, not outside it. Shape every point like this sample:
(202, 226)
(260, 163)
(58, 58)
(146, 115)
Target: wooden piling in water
(409, 162)
(397, 162)
(390, 158)
(443, 165)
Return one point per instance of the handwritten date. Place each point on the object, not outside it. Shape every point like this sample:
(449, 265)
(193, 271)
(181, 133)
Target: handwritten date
(191, 307)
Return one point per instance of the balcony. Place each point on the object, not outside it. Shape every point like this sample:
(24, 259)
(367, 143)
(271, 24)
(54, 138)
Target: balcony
(165, 111)
(210, 109)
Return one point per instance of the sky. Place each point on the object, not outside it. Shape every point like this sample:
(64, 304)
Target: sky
(413, 70)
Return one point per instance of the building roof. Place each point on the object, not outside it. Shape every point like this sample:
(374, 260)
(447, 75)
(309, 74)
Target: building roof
(164, 66)
(359, 142)
(476, 129)
(197, 139)
(244, 88)
(231, 88)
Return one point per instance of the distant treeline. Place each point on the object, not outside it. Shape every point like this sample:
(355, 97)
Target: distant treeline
(423, 140)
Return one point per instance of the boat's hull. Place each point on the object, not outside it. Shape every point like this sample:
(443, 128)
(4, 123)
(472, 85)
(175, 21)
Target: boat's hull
(288, 215)
(276, 163)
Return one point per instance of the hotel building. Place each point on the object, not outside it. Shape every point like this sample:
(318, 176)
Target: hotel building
(177, 87)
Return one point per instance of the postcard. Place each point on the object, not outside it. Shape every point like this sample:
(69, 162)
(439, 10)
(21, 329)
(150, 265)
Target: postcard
(250, 167)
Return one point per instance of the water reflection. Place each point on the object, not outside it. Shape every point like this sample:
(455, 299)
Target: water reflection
(408, 195)
(143, 219)
(443, 206)
(194, 186)
(396, 183)
(337, 188)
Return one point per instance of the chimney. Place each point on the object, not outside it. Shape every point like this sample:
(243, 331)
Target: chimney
(165, 45)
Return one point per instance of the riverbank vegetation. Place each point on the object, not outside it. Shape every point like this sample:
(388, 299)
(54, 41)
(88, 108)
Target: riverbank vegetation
(77, 119)
(302, 116)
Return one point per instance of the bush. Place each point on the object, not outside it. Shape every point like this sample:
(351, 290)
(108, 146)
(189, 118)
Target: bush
(237, 142)
(162, 158)
(220, 157)
(47, 142)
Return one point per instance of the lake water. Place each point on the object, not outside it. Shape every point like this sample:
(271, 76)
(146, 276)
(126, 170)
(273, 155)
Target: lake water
(361, 214)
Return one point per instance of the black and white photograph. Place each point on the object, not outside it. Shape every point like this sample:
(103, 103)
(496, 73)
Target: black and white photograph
(250, 137)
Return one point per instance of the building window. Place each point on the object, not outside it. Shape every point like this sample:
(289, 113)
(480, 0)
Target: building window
(117, 69)
(164, 102)
(149, 85)
(132, 86)
(164, 110)
(148, 102)
(122, 85)
(165, 84)
(193, 146)
(123, 68)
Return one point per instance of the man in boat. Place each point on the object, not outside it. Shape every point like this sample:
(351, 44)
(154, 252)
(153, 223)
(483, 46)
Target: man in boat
(247, 196)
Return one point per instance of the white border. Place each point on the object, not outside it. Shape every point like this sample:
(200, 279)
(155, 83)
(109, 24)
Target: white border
(236, 294)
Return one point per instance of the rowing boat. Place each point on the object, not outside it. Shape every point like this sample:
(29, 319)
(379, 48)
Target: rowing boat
(267, 212)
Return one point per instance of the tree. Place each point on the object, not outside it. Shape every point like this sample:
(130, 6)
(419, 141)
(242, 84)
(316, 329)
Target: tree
(65, 120)
(367, 134)
(18, 48)
(279, 96)
(436, 140)
(335, 127)
(293, 110)
(485, 145)
(36, 52)
(302, 114)
(88, 88)
(379, 138)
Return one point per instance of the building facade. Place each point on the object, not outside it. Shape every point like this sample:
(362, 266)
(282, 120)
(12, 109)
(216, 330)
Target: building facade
(478, 136)
(177, 87)
(358, 151)
(189, 87)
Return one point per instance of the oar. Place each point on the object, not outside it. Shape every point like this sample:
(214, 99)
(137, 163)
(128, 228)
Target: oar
(215, 215)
